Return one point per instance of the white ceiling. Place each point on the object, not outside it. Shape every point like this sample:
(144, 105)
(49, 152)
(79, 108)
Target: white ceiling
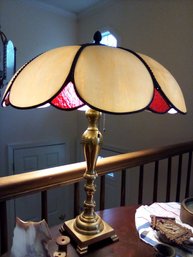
(73, 6)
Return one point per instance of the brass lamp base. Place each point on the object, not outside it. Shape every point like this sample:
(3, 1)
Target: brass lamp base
(88, 228)
(83, 241)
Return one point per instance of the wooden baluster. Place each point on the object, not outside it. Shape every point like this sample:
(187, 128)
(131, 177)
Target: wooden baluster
(155, 184)
(140, 190)
(123, 187)
(102, 192)
(76, 199)
(3, 227)
(188, 175)
(187, 190)
(179, 178)
(44, 205)
(168, 185)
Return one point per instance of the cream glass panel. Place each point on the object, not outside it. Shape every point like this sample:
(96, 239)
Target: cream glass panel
(167, 83)
(43, 77)
(113, 80)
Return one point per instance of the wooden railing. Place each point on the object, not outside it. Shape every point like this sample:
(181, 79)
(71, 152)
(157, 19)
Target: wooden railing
(42, 180)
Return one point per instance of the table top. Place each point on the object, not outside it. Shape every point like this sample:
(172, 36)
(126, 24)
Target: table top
(122, 219)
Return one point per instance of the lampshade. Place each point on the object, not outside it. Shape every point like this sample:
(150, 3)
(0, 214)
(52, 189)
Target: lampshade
(108, 79)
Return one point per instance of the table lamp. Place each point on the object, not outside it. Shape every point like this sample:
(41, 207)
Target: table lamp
(106, 79)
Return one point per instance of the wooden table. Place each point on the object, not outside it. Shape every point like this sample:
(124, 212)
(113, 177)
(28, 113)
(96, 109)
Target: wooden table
(122, 219)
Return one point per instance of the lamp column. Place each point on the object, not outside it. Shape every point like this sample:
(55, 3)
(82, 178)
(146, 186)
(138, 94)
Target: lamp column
(88, 227)
(88, 222)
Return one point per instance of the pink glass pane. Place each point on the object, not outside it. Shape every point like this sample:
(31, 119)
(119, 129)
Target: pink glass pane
(6, 101)
(67, 98)
(159, 104)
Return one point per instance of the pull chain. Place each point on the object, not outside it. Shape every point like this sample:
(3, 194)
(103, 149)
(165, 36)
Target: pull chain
(104, 122)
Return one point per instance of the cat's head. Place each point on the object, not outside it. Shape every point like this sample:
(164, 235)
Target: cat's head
(30, 239)
(41, 228)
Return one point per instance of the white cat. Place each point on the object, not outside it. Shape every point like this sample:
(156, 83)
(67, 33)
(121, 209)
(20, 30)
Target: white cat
(30, 239)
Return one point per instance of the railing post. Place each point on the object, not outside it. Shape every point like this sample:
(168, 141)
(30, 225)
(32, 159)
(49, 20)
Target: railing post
(168, 186)
(179, 178)
(3, 227)
(155, 181)
(140, 190)
(76, 199)
(188, 175)
(44, 205)
(102, 193)
(123, 187)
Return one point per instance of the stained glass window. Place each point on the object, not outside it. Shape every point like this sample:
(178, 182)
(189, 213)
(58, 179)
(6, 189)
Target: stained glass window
(108, 39)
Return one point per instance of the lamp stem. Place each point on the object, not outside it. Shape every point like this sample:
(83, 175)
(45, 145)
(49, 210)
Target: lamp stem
(88, 227)
(88, 222)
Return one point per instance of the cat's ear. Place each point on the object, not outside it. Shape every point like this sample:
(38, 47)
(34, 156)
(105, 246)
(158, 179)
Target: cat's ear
(23, 224)
(43, 227)
(38, 223)
(20, 223)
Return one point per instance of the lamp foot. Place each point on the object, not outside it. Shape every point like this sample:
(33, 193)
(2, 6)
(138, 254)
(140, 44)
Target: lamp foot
(83, 242)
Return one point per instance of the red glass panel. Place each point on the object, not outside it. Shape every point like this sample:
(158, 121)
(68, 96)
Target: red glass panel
(6, 101)
(159, 104)
(67, 98)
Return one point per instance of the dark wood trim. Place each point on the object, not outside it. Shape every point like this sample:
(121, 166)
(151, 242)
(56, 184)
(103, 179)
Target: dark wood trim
(155, 186)
(102, 193)
(76, 199)
(168, 186)
(44, 205)
(123, 187)
(140, 188)
(179, 177)
(3, 227)
(187, 191)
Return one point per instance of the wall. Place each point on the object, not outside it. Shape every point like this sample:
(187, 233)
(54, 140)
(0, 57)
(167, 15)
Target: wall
(162, 30)
(33, 29)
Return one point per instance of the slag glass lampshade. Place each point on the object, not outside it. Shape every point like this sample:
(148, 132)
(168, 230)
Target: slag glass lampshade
(107, 79)
(72, 76)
